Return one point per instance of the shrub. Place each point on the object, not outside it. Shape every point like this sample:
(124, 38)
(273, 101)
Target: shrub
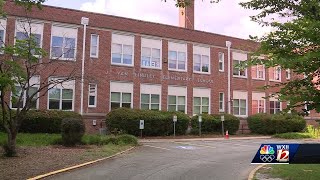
(277, 123)
(45, 121)
(211, 123)
(127, 139)
(72, 131)
(104, 140)
(156, 123)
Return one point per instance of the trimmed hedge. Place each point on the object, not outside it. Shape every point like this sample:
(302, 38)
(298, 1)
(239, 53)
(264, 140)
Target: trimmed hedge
(45, 121)
(156, 123)
(211, 123)
(274, 124)
(72, 131)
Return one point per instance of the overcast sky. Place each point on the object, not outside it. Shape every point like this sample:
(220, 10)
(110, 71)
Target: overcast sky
(226, 17)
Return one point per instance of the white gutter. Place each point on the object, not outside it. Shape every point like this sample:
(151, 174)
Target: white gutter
(84, 22)
(228, 44)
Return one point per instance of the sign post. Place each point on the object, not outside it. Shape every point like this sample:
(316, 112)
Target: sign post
(200, 120)
(222, 120)
(175, 119)
(141, 127)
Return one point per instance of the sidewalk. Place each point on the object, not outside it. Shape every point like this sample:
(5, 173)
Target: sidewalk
(143, 140)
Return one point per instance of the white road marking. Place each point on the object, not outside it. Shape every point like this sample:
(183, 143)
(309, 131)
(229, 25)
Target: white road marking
(157, 147)
(200, 145)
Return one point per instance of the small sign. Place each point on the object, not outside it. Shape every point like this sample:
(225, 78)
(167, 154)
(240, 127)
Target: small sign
(222, 118)
(141, 124)
(200, 118)
(175, 119)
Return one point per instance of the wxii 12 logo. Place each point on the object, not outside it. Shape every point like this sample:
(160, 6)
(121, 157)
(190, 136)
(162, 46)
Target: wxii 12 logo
(282, 153)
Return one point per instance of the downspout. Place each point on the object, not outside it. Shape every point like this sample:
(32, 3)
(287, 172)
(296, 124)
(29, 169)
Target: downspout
(228, 45)
(84, 22)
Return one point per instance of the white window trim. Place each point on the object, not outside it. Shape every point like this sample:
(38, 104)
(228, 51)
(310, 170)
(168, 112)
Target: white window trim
(201, 72)
(75, 44)
(239, 76)
(4, 33)
(179, 70)
(289, 74)
(131, 104)
(264, 105)
(246, 115)
(223, 102)
(221, 70)
(121, 64)
(95, 95)
(264, 73)
(150, 100)
(275, 108)
(60, 103)
(24, 99)
(274, 75)
(16, 30)
(96, 56)
(201, 105)
(150, 67)
(185, 104)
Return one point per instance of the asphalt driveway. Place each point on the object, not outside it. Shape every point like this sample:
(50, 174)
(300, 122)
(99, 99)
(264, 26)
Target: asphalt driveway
(214, 160)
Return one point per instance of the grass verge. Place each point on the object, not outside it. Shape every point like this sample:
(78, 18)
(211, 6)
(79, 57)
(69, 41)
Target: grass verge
(310, 132)
(292, 171)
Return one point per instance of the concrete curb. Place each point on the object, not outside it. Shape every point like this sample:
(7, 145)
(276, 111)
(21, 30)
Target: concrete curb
(78, 166)
(253, 172)
(200, 139)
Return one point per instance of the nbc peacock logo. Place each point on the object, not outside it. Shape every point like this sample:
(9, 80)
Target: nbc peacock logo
(267, 149)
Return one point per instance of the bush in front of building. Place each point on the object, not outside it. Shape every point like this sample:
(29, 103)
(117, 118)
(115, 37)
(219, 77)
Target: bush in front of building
(278, 123)
(156, 123)
(211, 123)
(45, 121)
(72, 131)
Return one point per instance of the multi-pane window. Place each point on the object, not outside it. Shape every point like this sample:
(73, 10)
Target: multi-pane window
(240, 107)
(201, 63)
(258, 106)
(92, 95)
(3, 24)
(150, 57)
(63, 43)
(200, 105)
(60, 98)
(120, 99)
(150, 101)
(237, 71)
(177, 60)
(275, 107)
(288, 73)
(221, 102)
(258, 72)
(94, 46)
(177, 103)
(122, 54)
(18, 92)
(1, 38)
(275, 73)
(221, 61)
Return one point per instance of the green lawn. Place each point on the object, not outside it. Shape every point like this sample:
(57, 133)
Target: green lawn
(25, 139)
(293, 171)
(293, 135)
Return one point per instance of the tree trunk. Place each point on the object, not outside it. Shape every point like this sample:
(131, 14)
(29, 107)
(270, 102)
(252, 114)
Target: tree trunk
(11, 146)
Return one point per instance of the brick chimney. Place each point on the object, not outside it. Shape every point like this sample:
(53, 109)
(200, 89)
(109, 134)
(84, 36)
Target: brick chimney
(186, 16)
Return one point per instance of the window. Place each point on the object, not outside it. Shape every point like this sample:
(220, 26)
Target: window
(200, 63)
(177, 56)
(122, 49)
(258, 72)
(275, 74)
(177, 103)
(275, 107)
(150, 101)
(94, 46)
(120, 99)
(240, 107)
(258, 106)
(151, 53)
(288, 74)
(221, 102)
(3, 24)
(16, 95)
(237, 71)
(150, 57)
(92, 95)
(200, 105)
(61, 95)
(221, 61)
(63, 43)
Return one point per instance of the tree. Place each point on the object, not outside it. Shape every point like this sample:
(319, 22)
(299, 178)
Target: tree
(293, 44)
(184, 3)
(20, 64)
